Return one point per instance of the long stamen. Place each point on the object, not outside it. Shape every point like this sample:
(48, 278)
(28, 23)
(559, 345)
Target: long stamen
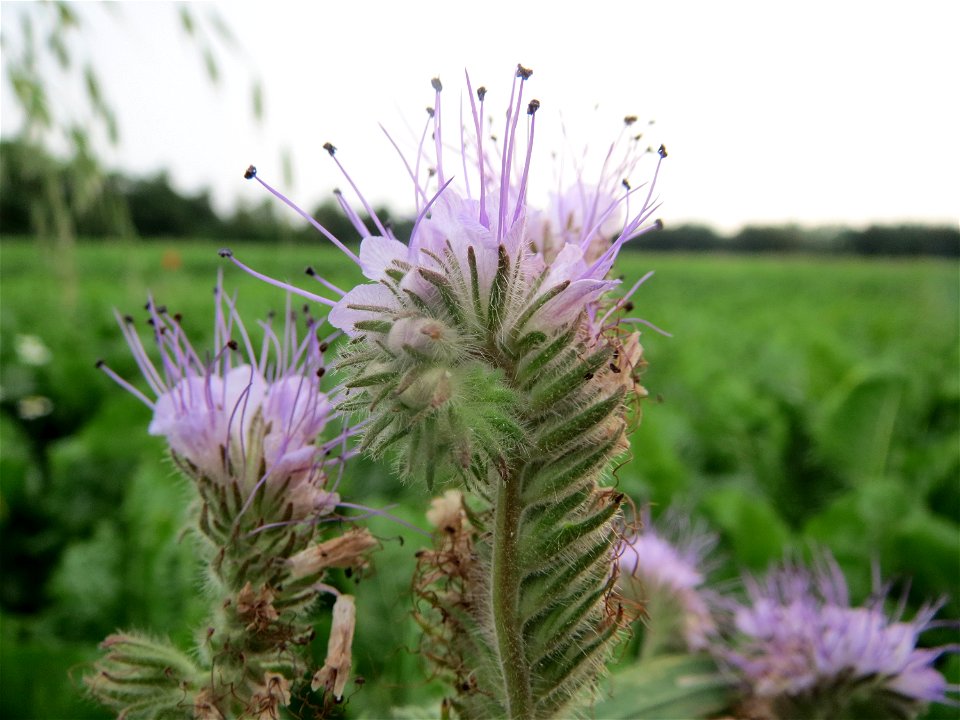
(146, 367)
(504, 163)
(226, 253)
(363, 201)
(251, 173)
(463, 152)
(626, 297)
(423, 139)
(418, 191)
(323, 281)
(477, 118)
(649, 324)
(426, 209)
(103, 367)
(436, 129)
(522, 194)
(351, 214)
(235, 317)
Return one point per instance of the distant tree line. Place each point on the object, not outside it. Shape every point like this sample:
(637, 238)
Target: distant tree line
(152, 208)
(891, 240)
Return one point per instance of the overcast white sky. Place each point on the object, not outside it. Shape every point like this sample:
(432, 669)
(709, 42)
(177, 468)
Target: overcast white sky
(812, 112)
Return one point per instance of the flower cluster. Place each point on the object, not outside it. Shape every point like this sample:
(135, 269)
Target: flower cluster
(264, 447)
(803, 650)
(227, 419)
(485, 282)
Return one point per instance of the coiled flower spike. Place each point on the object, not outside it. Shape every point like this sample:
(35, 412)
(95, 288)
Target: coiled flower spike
(482, 352)
(260, 440)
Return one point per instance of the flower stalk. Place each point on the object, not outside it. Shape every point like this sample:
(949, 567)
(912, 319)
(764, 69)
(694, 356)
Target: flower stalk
(260, 442)
(505, 595)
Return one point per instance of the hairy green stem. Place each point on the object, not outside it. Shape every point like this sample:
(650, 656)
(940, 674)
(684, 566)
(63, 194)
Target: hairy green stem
(505, 600)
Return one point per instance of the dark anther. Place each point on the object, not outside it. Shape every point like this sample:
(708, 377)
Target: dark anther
(662, 151)
(629, 119)
(588, 376)
(151, 322)
(435, 82)
(232, 344)
(310, 271)
(324, 346)
(337, 191)
(430, 111)
(533, 107)
(225, 252)
(348, 572)
(523, 73)
(250, 173)
(147, 306)
(659, 223)
(625, 183)
(481, 93)
(359, 680)
(128, 319)
(329, 148)
(306, 309)
(420, 553)
(628, 306)
(321, 372)
(178, 318)
(618, 498)
(99, 364)
(614, 368)
(431, 172)
(161, 310)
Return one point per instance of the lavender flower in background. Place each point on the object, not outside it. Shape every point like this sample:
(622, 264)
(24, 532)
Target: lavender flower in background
(664, 568)
(265, 449)
(802, 650)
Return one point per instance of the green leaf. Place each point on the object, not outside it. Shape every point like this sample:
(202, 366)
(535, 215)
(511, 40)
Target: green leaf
(669, 686)
(856, 428)
(758, 535)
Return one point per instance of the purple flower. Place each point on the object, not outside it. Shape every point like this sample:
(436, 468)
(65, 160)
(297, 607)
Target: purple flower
(241, 415)
(666, 571)
(469, 226)
(801, 646)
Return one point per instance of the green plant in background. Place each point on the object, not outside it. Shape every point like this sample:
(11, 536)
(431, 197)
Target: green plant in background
(244, 427)
(91, 520)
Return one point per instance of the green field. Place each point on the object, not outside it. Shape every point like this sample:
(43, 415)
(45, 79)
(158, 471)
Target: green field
(800, 401)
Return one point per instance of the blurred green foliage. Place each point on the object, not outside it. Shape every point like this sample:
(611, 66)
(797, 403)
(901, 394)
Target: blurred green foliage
(55, 182)
(801, 401)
